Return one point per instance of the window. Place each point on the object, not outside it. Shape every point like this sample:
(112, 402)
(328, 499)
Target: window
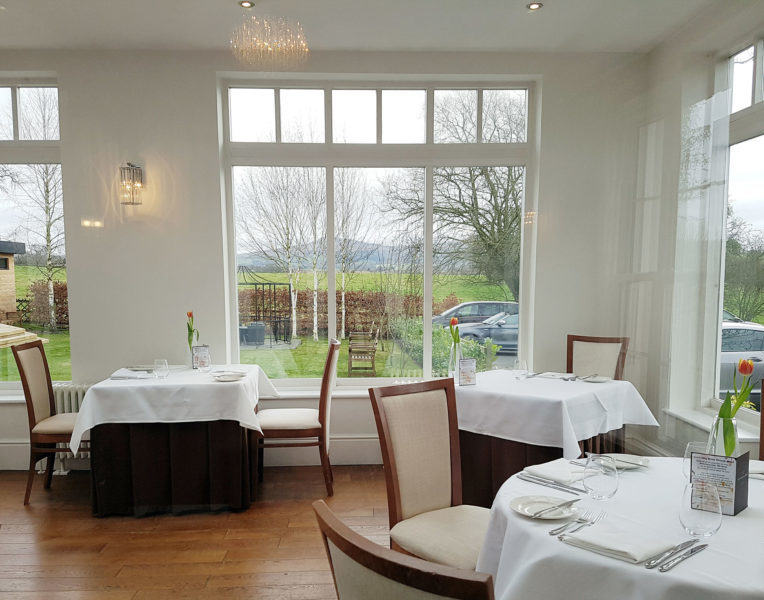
(31, 203)
(4, 264)
(747, 77)
(331, 242)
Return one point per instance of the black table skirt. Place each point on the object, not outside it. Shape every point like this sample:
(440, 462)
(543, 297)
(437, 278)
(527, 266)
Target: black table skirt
(487, 462)
(141, 469)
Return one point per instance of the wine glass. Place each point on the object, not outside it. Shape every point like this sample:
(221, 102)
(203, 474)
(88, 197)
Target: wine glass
(161, 368)
(520, 368)
(701, 511)
(600, 477)
(701, 447)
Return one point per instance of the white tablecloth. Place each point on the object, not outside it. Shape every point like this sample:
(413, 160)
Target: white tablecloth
(184, 396)
(548, 412)
(526, 562)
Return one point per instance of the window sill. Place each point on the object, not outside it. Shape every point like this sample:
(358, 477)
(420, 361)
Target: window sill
(702, 418)
(12, 398)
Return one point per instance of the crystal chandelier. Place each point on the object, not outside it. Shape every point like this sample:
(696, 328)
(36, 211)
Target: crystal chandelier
(276, 44)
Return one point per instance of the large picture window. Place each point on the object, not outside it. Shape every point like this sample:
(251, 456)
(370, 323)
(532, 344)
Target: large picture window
(379, 245)
(33, 289)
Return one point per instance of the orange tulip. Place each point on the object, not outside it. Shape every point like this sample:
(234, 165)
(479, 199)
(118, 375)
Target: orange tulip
(745, 367)
(190, 314)
(454, 321)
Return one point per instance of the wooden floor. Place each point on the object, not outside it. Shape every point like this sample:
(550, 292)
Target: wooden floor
(54, 549)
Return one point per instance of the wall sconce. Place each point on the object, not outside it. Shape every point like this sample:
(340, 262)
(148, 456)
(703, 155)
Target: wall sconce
(131, 184)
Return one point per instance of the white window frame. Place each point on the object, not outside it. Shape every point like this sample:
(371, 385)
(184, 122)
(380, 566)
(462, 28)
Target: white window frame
(24, 152)
(429, 155)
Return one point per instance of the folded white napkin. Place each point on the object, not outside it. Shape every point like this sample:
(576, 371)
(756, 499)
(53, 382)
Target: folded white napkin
(756, 469)
(628, 542)
(129, 374)
(559, 470)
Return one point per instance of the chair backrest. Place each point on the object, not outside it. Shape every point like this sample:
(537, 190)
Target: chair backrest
(35, 379)
(327, 385)
(363, 569)
(588, 355)
(419, 437)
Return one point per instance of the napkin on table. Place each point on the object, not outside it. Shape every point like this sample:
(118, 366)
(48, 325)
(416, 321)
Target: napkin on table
(756, 469)
(129, 374)
(629, 542)
(559, 470)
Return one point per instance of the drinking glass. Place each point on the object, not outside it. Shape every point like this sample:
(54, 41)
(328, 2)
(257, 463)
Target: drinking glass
(600, 477)
(687, 463)
(700, 512)
(161, 368)
(521, 369)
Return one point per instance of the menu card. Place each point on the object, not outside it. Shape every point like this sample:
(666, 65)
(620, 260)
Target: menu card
(728, 473)
(467, 371)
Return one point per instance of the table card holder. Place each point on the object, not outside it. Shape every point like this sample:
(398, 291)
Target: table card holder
(200, 356)
(728, 473)
(468, 371)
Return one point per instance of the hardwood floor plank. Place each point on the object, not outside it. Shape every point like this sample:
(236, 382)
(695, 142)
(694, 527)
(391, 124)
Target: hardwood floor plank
(56, 550)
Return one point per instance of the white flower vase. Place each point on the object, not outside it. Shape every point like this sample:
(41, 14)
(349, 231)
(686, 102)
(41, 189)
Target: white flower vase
(723, 439)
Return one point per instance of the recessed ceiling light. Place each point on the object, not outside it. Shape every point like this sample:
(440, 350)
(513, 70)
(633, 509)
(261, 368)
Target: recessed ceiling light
(535, 5)
(246, 4)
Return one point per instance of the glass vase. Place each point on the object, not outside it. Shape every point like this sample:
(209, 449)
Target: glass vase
(723, 439)
(454, 356)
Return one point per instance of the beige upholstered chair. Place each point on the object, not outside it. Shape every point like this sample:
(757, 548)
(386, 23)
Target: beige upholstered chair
(291, 423)
(363, 569)
(46, 428)
(419, 437)
(604, 356)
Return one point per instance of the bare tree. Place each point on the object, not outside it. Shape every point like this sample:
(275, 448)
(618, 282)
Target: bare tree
(38, 188)
(477, 211)
(269, 221)
(351, 230)
(313, 188)
(744, 269)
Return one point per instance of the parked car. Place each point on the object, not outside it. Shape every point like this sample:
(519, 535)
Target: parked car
(501, 328)
(474, 312)
(741, 340)
(728, 316)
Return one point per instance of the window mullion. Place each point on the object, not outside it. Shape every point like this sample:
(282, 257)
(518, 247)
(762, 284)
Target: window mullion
(379, 116)
(758, 72)
(277, 106)
(15, 112)
(479, 118)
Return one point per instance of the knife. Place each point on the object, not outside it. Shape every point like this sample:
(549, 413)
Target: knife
(554, 486)
(543, 511)
(675, 561)
(653, 562)
(541, 479)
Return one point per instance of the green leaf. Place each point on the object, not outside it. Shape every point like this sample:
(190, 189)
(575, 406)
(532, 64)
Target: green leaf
(729, 437)
(725, 412)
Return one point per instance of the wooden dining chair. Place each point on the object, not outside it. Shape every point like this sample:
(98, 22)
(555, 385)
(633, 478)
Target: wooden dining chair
(301, 423)
(46, 428)
(588, 355)
(363, 569)
(419, 437)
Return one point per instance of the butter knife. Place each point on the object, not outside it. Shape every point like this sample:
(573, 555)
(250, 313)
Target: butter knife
(675, 561)
(554, 486)
(543, 511)
(541, 479)
(653, 562)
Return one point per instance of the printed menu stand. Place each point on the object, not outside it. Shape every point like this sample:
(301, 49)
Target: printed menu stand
(467, 371)
(728, 473)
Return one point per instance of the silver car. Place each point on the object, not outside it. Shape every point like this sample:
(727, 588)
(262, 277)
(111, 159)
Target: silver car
(741, 339)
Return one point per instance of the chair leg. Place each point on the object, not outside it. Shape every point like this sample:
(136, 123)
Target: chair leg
(30, 477)
(260, 456)
(49, 470)
(327, 468)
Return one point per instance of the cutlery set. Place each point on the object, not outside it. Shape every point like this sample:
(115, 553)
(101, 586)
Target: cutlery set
(673, 556)
(562, 487)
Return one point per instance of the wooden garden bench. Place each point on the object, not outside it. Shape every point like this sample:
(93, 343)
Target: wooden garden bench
(362, 348)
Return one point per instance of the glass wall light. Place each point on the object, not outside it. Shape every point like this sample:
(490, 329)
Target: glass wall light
(131, 184)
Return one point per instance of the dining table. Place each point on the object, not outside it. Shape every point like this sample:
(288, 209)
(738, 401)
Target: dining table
(510, 419)
(176, 444)
(526, 562)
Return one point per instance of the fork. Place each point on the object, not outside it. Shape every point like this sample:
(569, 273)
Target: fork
(584, 518)
(582, 525)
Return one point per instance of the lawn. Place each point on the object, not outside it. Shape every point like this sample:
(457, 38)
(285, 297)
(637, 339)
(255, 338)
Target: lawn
(56, 350)
(26, 275)
(307, 360)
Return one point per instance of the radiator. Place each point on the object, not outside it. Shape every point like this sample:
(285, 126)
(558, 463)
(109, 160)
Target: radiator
(68, 398)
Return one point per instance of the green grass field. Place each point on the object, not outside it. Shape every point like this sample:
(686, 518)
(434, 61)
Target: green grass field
(26, 275)
(56, 350)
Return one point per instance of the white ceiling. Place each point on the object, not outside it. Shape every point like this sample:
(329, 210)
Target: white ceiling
(562, 25)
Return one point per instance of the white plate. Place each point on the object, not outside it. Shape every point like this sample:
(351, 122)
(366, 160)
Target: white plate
(597, 379)
(527, 505)
(630, 461)
(228, 375)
